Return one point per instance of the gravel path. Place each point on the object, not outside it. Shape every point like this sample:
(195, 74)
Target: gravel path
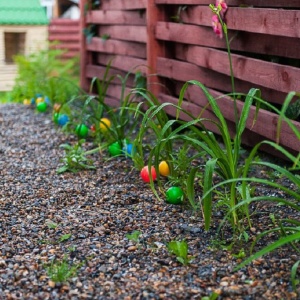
(93, 211)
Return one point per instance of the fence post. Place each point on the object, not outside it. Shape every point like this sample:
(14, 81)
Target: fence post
(83, 51)
(154, 48)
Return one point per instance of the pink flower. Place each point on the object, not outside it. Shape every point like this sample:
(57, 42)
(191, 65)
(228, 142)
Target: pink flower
(223, 5)
(217, 27)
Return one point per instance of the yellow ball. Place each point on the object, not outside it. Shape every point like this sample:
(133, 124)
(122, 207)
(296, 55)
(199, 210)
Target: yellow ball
(163, 168)
(39, 100)
(103, 122)
(26, 102)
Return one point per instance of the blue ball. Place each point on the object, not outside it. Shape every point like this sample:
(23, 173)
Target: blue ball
(47, 100)
(63, 120)
(128, 149)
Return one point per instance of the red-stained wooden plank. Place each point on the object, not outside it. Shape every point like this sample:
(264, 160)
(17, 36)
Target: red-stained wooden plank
(241, 41)
(265, 124)
(64, 22)
(64, 45)
(117, 17)
(99, 72)
(123, 4)
(70, 54)
(113, 102)
(125, 32)
(271, 75)
(260, 20)
(64, 29)
(63, 37)
(258, 3)
(124, 63)
(117, 47)
(183, 71)
(115, 91)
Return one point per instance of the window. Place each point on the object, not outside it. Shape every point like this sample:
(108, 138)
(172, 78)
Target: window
(14, 44)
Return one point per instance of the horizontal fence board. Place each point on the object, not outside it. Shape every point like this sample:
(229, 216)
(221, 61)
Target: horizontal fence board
(117, 17)
(117, 47)
(244, 42)
(61, 21)
(115, 91)
(258, 3)
(125, 32)
(123, 4)
(169, 68)
(271, 75)
(114, 102)
(64, 29)
(99, 72)
(67, 46)
(259, 20)
(124, 63)
(63, 37)
(261, 127)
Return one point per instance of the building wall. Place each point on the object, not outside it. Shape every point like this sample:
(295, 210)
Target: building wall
(36, 39)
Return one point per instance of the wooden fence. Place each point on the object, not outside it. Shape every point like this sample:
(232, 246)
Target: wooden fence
(67, 33)
(172, 41)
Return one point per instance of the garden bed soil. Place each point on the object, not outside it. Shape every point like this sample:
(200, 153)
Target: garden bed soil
(98, 208)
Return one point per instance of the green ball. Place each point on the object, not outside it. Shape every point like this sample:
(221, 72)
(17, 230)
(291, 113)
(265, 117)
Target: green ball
(41, 107)
(174, 195)
(115, 149)
(82, 130)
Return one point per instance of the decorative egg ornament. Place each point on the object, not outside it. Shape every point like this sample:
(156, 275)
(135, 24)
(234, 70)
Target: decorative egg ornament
(163, 168)
(56, 117)
(41, 107)
(32, 101)
(146, 175)
(47, 100)
(62, 120)
(115, 149)
(104, 124)
(128, 149)
(93, 128)
(82, 130)
(26, 102)
(174, 195)
(56, 107)
(39, 100)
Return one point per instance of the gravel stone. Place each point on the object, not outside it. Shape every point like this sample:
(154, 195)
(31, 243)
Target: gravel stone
(98, 208)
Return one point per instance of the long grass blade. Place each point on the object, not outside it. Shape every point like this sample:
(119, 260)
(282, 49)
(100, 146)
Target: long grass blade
(207, 191)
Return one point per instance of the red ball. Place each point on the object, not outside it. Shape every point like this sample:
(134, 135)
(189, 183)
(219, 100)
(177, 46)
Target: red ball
(145, 174)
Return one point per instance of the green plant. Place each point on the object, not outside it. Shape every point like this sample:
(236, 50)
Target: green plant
(62, 271)
(75, 158)
(180, 250)
(177, 17)
(65, 237)
(293, 110)
(134, 236)
(51, 225)
(212, 296)
(45, 73)
(90, 109)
